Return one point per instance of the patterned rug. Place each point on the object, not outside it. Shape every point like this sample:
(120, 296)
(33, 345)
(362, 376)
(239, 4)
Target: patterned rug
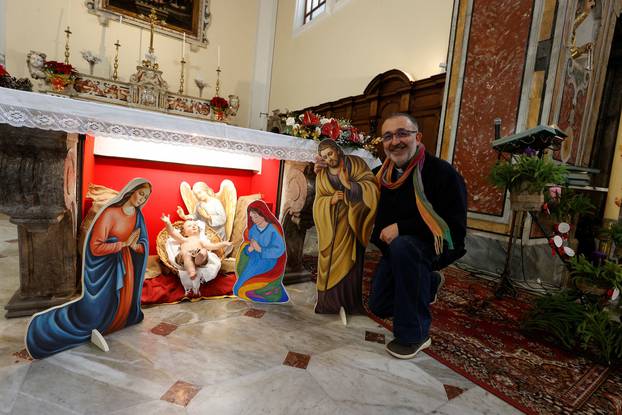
(478, 336)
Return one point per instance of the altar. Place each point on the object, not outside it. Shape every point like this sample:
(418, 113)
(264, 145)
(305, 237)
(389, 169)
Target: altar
(52, 147)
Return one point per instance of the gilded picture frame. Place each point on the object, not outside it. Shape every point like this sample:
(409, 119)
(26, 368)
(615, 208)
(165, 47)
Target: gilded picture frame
(189, 17)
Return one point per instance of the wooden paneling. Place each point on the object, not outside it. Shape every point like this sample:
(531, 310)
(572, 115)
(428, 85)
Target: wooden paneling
(387, 93)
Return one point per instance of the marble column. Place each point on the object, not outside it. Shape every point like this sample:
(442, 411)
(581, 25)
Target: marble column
(38, 192)
(614, 196)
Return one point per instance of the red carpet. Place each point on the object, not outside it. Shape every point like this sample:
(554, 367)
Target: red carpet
(479, 337)
(167, 289)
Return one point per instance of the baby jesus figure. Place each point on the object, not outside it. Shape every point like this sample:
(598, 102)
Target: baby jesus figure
(193, 251)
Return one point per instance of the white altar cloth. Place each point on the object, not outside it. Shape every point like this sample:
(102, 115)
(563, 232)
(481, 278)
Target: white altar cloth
(50, 112)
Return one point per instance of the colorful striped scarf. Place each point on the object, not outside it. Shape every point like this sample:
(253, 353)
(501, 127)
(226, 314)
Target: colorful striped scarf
(435, 223)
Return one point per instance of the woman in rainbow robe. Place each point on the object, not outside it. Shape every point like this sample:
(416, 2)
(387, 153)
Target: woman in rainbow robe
(114, 262)
(261, 259)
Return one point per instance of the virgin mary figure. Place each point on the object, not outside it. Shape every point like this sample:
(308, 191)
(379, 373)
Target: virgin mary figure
(114, 261)
(261, 259)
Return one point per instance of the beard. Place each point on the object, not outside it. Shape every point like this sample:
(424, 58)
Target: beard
(400, 154)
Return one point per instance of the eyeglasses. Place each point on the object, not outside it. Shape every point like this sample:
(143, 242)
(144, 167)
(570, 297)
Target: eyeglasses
(400, 133)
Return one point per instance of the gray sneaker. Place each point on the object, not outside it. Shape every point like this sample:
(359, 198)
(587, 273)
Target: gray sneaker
(439, 280)
(407, 351)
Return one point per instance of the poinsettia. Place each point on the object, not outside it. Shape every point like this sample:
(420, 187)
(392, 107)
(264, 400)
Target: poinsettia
(219, 103)
(312, 126)
(3, 72)
(331, 129)
(310, 118)
(60, 68)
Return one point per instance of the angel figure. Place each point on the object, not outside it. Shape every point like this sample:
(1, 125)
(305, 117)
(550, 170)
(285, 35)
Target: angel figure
(216, 210)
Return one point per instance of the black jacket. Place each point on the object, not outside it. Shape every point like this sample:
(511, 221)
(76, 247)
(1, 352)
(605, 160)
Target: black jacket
(446, 191)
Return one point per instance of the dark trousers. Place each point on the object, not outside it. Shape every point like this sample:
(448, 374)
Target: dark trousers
(401, 288)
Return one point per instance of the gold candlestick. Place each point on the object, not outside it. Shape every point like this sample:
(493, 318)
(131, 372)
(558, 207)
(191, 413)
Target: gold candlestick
(68, 33)
(153, 17)
(115, 74)
(181, 79)
(217, 81)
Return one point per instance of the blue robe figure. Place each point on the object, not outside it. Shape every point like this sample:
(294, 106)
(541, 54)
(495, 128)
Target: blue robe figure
(114, 263)
(261, 259)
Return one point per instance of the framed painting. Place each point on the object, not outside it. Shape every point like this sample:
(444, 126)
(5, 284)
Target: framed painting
(175, 17)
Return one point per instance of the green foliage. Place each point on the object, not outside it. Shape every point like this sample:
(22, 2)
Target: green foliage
(563, 319)
(569, 204)
(556, 317)
(606, 275)
(601, 335)
(615, 233)
(527, 173)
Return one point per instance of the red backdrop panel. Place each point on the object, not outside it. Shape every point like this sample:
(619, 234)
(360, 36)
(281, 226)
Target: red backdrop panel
(115, 172)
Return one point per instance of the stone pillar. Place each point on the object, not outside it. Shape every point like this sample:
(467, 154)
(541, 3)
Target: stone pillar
(38, 192)
(298, 193)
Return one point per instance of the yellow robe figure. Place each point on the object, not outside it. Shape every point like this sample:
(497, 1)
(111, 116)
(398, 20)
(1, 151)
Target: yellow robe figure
(344, 229)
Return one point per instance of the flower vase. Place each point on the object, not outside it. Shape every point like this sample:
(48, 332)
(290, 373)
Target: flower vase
(217, 114)
(59, 82)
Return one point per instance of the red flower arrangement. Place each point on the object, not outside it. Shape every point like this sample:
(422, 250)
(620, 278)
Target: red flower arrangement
(3, 71)
(60, 68)
(316, 127)
(219, 103)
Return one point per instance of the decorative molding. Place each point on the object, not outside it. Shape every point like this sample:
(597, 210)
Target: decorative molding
(49, 112)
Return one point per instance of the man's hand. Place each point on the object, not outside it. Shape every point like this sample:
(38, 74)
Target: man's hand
(388, 234)
(319, 164)
(336, 198)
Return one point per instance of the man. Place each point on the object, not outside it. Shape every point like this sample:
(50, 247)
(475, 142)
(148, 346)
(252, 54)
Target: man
(420, 228)
(345, 203)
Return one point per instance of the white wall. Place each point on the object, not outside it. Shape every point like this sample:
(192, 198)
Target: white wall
(39, 25)
(339, 54)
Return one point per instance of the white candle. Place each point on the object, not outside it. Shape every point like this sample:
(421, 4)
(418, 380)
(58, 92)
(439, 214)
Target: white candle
(140, 46)
(219, 56)
(120, 19)
(183, 47)
(68, 12)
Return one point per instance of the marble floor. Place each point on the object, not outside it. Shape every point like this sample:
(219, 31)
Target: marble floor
(228, 357)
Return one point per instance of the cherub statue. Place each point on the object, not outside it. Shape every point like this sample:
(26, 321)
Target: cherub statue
(217, 210)
(194, 252)
(35, 61)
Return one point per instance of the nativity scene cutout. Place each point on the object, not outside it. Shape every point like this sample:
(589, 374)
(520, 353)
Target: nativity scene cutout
(261, 259)
(346, 198)
(114, 259)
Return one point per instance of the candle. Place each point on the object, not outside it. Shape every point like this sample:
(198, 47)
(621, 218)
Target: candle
(183, 47)
(120, 19)
(140, 46)
(219, 56)
(68, 12)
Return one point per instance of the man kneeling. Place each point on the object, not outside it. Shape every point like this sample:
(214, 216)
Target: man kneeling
(420, 227)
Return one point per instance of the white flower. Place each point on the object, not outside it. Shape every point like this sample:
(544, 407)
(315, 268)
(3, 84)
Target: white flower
(290, 121)
(324, 121)
(318, 131)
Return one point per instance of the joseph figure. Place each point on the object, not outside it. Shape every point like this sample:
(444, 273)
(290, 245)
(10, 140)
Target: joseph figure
(346, 197)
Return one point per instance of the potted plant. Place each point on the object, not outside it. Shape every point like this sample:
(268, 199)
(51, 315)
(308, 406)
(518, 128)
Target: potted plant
(526, 177)
(218, 106)
(614, 233)
(60, 75)
(595, 279)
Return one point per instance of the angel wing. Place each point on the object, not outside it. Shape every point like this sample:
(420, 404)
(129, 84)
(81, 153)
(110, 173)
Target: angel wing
(100, 195)
(190, 200)
(228, 196)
